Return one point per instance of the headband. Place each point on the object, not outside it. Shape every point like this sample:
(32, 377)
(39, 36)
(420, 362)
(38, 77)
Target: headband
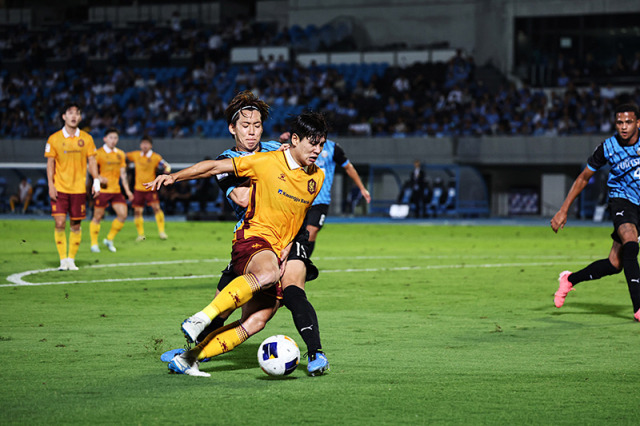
(251, 107)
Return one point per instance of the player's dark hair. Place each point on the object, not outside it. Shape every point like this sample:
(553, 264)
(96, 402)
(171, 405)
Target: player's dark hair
(628, 107)
(245, 101)
(68, 106)
(111, 130)
(146, 138)
(311, 125)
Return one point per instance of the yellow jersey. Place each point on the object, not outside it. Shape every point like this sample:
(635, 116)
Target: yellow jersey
(281, 193)
(109, 164)
(70, 153)
(146, 166)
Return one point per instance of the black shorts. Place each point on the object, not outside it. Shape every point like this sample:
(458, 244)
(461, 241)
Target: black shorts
(300, 251)
(317, 214)
(622, 211)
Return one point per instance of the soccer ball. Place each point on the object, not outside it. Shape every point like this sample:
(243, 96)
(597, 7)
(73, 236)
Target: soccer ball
(278, 355)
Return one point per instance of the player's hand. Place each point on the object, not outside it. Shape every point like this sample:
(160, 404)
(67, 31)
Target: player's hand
(284, 255)
(159, 181)
(366, 195)
(130, 196)
(95, 188)
(53, 193)
(103, 181)
(284, 137)
(558, 221)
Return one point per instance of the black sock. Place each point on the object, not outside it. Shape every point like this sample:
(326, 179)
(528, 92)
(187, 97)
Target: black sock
(226, 277)
(598, 269)
(304, 317)
(632, 272)
(216, 323)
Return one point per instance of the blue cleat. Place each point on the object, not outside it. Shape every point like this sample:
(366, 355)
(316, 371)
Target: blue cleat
(168, 355)
(180, 365)
(318, 364)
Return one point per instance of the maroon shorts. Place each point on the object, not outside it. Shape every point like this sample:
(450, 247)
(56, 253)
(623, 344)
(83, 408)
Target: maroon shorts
(104, 199)
(73, 204)
(142, 198)
(244, 250)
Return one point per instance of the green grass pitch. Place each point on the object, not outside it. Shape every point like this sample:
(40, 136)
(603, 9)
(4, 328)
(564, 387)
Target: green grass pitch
(445, 324)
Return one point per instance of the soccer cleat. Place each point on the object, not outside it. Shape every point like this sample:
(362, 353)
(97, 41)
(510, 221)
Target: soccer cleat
(71, 264)
(163, 236)
(180, 365)
(192, 327)
(109, 245)
(95, 249)
(637, 315)
(563, 289)
(318, 364)
(63, 265)
(140, 238)
(168, 355)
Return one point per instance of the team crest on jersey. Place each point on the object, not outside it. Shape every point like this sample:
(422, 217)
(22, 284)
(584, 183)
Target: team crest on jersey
(311, 186)
(282, 177)
(80, 142)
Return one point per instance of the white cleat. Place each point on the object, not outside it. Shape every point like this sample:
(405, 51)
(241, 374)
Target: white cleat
(95, 249)
(194, 325)
(140, 238)
(163, 236)
(109, 245)
(63, 265)
(71, 264)
(180, 365)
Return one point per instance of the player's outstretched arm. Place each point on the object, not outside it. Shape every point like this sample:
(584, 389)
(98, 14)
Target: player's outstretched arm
(199, 170)
(560, 218)
(353, 174)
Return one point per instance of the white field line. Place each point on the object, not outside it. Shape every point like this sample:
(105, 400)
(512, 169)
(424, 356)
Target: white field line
(17, 279)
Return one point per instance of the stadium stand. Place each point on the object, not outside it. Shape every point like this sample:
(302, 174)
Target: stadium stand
(142, 78)
(172, 84)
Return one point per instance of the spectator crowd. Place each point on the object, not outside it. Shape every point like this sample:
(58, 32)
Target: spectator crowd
(376, 100)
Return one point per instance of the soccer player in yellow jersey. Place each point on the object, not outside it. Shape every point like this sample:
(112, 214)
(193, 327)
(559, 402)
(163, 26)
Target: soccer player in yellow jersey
(112, 166)
(147, 163)
(283, 184)
(68, 152)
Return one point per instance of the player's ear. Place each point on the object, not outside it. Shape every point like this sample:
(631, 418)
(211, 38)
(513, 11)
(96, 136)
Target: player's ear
(295, 139)
(232, 129)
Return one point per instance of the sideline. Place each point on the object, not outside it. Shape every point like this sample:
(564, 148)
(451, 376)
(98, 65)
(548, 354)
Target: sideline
(18, 279)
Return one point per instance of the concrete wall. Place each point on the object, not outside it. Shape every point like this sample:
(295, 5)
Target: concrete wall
(488, 151)
(483, 28)
(505, 163)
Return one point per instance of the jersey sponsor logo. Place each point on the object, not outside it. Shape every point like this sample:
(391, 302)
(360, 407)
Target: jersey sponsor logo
(312, 186)
(628, 163)
(293, 197)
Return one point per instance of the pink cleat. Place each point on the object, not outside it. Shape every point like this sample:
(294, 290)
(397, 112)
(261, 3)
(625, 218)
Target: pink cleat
(564, 288)
(637, 315)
